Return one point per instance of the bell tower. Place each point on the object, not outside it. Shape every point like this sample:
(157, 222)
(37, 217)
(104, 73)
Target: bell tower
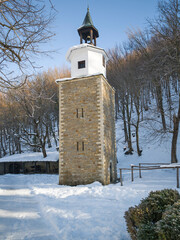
(87, 144)
(87, 31)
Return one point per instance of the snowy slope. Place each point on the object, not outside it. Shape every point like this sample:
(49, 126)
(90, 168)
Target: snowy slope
(154, 150)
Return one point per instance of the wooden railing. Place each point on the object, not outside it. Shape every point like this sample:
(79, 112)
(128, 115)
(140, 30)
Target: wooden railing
(148, 166)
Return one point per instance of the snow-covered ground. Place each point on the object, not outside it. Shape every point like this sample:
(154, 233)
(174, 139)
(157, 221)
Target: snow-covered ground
(35, 207)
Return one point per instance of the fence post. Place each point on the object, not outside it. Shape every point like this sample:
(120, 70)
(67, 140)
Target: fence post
(140, 176)
(177, 177)
(132, 174)
(121, 177)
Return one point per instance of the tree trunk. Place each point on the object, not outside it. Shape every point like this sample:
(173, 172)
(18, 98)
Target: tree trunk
(10, 153)
(43, 142)
(48, 140)
(174, 140)
(160, 105)
(124, 122)
(139, 152)
(3, 149)
(137, 127)
(116, 105)
(129, 125)
(169, 100)
(44, 151)
(176, 120)
(142, 116)
(12, 143)
(19, 146)
(36, 137)
(54, 136)
(5, 140)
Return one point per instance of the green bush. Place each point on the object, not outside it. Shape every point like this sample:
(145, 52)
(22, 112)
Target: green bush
(156, 203)
(147, 231)
(133, 218)
(168, 228)
(141, 219)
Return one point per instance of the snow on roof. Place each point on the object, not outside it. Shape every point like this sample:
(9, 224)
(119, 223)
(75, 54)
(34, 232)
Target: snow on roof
(85, 76)
(85, 45)
(52, 155)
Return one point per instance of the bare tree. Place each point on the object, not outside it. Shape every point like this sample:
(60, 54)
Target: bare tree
(24, 24)
(162, 67)
(29, 114)
(119, 75)
(167, 28)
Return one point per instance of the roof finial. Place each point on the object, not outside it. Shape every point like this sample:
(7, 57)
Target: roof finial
(88, 7)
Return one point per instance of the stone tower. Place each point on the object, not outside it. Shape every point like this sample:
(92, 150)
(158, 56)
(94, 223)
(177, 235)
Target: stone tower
(87, 144)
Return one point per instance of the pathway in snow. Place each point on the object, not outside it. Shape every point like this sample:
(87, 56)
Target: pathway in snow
(35, 207)
(20, 214)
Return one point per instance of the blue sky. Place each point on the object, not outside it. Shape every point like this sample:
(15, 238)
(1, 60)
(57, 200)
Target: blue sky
(112, 18)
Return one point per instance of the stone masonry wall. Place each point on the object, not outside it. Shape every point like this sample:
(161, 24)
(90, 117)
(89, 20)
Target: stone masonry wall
(110, 161)
(93, 130)
(80, 166)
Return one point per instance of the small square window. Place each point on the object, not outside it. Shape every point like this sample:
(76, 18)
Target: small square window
(81, 64)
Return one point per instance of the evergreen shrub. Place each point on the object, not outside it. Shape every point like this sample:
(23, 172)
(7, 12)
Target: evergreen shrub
(141, 220)
(168, 228)
(147, 232)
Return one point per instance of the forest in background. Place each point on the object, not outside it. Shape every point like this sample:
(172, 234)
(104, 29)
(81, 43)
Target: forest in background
(29, 115)
(145, 72)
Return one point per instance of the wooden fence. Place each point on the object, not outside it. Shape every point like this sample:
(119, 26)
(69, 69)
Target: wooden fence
(51, 167)
(149, 166)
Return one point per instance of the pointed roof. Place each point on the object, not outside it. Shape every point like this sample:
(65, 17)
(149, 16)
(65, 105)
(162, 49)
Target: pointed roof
(87, 20)
(88, 23)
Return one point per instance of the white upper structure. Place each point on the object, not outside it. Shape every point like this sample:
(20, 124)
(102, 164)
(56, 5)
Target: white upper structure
(86, 60)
